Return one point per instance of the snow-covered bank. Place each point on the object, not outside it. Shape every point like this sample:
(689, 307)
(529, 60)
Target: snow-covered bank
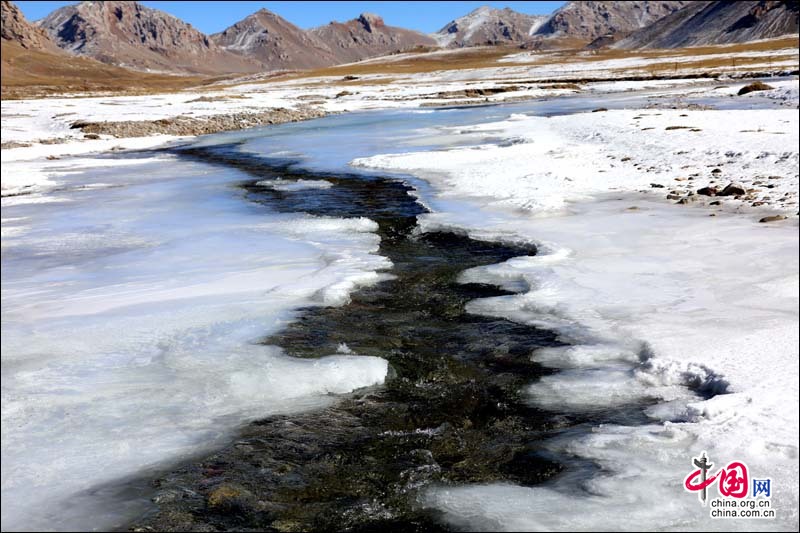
(661, 303)
(543, 162)
(132, 303)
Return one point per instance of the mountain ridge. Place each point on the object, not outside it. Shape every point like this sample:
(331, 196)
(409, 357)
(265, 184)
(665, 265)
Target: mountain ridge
(717, 22)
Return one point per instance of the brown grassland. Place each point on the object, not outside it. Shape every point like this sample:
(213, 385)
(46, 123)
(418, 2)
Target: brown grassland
(33, 73)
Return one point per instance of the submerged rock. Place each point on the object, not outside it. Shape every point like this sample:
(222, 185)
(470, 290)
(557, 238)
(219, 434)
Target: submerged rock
(230, 499)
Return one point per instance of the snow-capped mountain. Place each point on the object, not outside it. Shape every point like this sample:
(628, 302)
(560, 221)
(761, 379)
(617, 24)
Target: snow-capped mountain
(487, 25)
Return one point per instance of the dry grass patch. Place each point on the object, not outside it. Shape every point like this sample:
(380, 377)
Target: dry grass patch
(34, 73)
(467, 58)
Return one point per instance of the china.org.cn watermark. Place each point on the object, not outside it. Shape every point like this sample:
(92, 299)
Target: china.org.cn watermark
(739, 494)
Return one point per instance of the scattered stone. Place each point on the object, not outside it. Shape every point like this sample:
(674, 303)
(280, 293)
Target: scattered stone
(680, 179)
(732, 189)
(350, 77)
(312, 97)
(91, 136)
(755, 86)
(219, 98)
(626, 158)
(673, 196)
(656, 186)
(708, 191)
(668, 128)
(599, 109)
(772, 218)
(343, 93)
(52, 157)
(716, 171)
(712, 214)
(571, 86)
(715, 202)
(14, 144)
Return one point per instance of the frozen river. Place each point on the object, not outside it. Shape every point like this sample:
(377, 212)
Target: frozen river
(134, 298)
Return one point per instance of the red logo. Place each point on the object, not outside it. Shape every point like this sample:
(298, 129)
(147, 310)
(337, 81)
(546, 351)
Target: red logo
(732, 479)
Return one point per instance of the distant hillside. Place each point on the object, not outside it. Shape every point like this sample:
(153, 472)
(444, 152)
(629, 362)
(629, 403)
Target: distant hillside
(131, 35)
(32, 65)
(275, 43)
(367, 36)
(719, 22)
(588, 21)
(487, 26)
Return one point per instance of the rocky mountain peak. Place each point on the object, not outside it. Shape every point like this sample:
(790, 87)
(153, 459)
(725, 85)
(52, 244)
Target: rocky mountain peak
(590, 20)
(135, 36)
(370, 21)
(275, 42)
(702, 23)
(17, 29)
(487, 25)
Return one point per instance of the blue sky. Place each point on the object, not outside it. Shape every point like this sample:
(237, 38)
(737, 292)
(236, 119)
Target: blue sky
(211, 17)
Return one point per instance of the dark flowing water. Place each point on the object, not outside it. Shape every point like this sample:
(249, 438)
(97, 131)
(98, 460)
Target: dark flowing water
(451, 410)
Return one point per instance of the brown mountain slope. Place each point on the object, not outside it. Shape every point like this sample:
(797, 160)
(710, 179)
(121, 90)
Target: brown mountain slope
(486, 25)
(275, 42)
(32, 65)
(130, 35)
(367, 36)
(702, 23)
(589, 20)
(17, 29)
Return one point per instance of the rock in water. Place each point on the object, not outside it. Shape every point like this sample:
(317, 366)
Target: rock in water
(230, 499)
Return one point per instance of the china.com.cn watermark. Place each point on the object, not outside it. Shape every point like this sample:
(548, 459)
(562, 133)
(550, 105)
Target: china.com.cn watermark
(740, 496)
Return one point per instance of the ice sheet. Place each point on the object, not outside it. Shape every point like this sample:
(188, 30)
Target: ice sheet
(131, 315)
